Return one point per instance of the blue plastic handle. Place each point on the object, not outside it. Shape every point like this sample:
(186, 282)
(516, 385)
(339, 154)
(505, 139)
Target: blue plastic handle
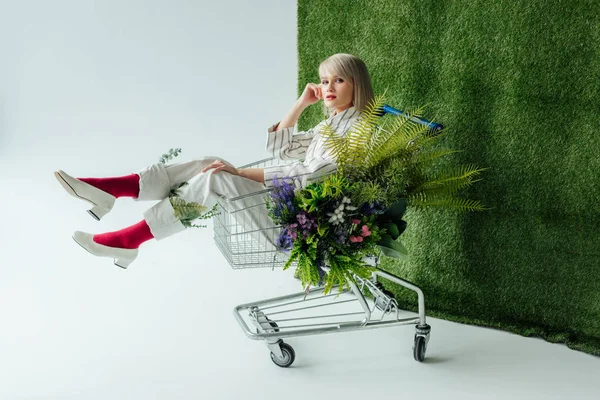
(431, 125)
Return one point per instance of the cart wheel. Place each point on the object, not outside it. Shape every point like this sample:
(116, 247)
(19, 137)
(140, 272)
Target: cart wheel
(288, 356)
(419, 348)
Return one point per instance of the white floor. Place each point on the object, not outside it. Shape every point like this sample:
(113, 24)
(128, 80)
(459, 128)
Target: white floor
(77, 327)
(74, 326)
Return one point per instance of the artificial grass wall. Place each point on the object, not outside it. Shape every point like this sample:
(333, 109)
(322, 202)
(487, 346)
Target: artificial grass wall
(516, 83)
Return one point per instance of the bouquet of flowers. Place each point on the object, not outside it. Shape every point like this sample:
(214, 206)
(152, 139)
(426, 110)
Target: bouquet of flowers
(324, 224)
(357, 212)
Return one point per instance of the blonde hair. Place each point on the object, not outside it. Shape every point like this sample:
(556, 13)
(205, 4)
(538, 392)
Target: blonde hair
(351, 69)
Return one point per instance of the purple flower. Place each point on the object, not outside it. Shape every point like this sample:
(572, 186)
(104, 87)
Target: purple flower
(372, 208)
(307, 223)
(282, 198)
(284, 241)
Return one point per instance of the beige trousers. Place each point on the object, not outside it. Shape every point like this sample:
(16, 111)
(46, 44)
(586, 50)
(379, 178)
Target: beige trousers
(205, 188)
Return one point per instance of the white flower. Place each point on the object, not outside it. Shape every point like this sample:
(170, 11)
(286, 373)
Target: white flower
(336, 218)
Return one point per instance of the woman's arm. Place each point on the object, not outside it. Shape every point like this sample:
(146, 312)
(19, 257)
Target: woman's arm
(256, 174)
(292, 116)
(282, 142)
(310, 95)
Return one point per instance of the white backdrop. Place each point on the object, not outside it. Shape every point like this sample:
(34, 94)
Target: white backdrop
(101, 88)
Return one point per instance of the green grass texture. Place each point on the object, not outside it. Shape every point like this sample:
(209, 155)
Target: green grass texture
(517, 86)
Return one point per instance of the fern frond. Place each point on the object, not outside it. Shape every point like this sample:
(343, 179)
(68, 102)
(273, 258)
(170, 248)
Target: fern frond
(426, 157)
(394, 157)
(401, 136)
(359, 135)
(453, 180)
(183, 208)
(187, 212)
(380, 136)
(369, 192)
(419, 200)
(349, 151)
(332, 142)
(428, 140)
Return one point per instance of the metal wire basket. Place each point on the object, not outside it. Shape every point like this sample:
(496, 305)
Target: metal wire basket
(243, 230)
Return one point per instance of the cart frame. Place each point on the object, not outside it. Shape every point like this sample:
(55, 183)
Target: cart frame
(232, 235)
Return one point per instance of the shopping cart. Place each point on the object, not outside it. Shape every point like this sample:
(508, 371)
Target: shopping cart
(247, 241)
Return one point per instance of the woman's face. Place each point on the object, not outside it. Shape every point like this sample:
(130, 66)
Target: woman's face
(337, 92)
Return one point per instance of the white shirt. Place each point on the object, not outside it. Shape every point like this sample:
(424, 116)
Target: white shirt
(308, 146)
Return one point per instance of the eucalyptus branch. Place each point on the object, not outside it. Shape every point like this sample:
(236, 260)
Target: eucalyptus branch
(170, 155)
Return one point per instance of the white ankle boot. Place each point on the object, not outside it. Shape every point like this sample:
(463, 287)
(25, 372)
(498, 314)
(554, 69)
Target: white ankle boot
(122, 257)
(103, 202)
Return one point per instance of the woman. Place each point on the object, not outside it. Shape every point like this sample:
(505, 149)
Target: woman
(345, 88)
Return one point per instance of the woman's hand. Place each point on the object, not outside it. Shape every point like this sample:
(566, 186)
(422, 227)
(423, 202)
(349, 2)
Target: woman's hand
(219, 165)
(312, 93)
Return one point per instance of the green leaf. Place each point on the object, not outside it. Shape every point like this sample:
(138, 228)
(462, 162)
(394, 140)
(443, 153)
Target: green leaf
(392, 248)
(322, 229)
(392, 229)
(396, 211)
(401, 227)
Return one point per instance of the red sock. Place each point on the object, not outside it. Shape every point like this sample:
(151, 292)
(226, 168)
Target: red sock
(128, 238)
(121, 186)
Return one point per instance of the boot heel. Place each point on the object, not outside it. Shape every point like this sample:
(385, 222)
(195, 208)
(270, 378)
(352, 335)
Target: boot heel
(103, 202)
(98, 212)
(122, 263)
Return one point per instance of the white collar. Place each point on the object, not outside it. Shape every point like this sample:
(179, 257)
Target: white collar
(351, 112)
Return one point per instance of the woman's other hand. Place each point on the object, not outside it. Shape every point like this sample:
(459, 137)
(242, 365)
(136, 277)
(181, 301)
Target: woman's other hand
(219, 165)
(312, 93)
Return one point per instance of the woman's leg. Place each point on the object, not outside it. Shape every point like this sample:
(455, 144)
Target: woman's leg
(100, 192)
(152, 183)
(160, 221)
(120, 186)
(157, 180)
(121, 245)
(205, 189)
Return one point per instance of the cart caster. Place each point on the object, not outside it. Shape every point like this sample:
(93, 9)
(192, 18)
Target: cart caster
(273, 325)
(421, 339)
(419, 348)
(262, 322)
(288, 356)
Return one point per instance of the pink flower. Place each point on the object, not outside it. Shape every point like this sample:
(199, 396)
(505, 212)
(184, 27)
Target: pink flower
(355, 221)
(365, 231)
(292, 231)
(356, 239)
